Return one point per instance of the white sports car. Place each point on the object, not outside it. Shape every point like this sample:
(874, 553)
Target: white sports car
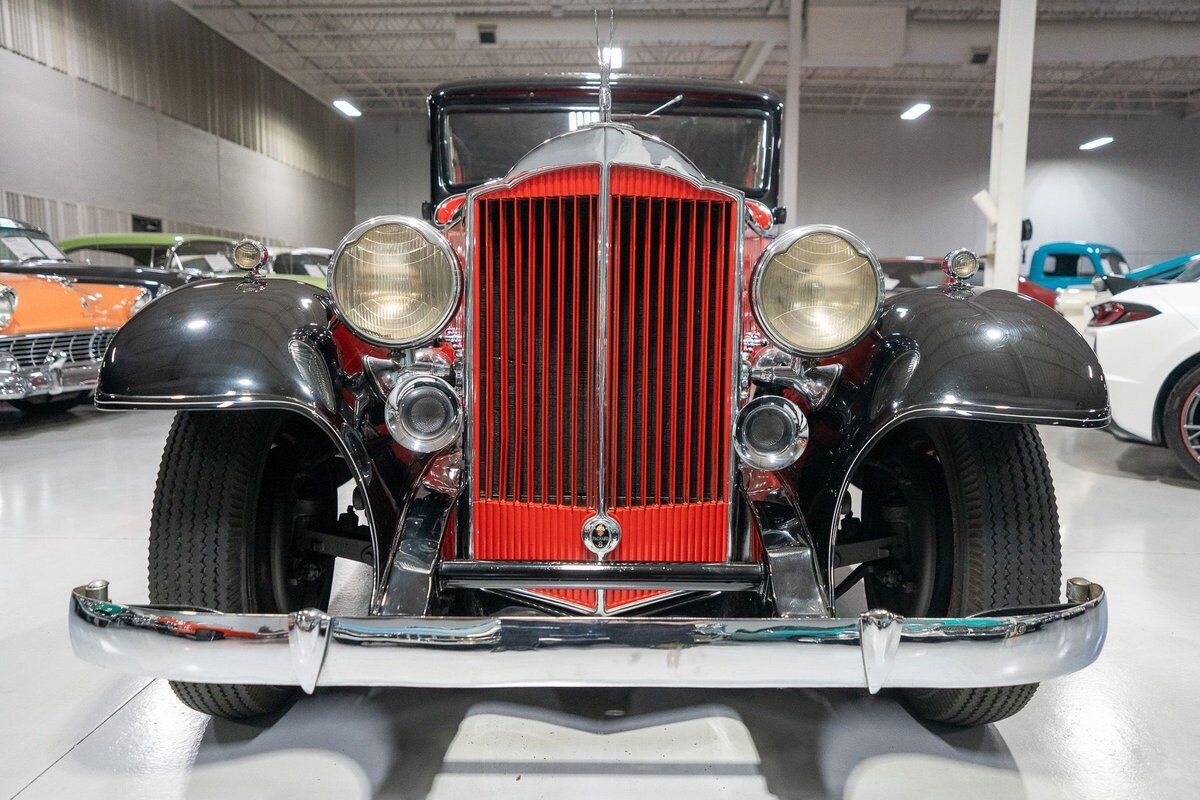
(1148, 342)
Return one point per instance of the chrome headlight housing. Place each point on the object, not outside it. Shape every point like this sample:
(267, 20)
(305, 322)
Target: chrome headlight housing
(141, 301)
(8, 305)
(395, 281)
(816, 290)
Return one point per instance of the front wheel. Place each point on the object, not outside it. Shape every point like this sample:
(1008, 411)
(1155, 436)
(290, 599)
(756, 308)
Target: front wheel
(972, 507)
(1181, 421)
(233, 489)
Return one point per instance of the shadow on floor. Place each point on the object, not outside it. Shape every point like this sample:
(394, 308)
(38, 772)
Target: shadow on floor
(410, 743)
(1100, 453)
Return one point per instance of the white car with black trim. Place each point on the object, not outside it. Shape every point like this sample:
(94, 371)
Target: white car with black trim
(1147, 340)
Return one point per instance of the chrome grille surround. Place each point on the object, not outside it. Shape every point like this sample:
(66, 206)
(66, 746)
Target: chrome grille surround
(603, 145)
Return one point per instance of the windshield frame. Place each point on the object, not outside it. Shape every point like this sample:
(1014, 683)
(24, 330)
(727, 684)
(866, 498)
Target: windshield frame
(630, 96)
(625, 113)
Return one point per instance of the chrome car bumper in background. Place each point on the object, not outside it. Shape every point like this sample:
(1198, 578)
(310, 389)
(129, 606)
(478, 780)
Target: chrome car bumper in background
(33, 364)
(310, 648)
(54, 376)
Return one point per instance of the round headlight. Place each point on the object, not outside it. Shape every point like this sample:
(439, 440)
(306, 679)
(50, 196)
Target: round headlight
(8, 305)
(816, 290)
(395, 281)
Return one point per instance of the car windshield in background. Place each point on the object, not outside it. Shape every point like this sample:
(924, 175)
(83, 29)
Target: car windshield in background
(22, 244)
(314, 265)
(1190, 274)
(205, 257)
(482, 145)
(1115, 263)
(911, 274)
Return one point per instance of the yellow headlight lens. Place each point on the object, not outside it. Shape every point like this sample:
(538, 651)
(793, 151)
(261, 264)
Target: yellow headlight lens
(817, 293)
(395, 281)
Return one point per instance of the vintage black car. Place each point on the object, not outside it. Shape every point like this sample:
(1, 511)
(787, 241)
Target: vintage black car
(604, 425)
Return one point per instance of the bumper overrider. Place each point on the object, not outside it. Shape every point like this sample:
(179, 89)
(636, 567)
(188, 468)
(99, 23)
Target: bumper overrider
(54, 376)
(309, 648)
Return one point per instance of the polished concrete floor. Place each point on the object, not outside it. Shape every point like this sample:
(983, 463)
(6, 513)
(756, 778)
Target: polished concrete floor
(75, 495)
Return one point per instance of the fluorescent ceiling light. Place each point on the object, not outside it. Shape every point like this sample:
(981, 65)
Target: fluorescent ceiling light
(347, 108)
(1094, 143)
(613, 57)
(917, 110)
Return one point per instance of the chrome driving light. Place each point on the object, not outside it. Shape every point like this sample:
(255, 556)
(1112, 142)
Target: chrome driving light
(771, 433)
(8, 305)
(423, 413)
(816, 290)
(960, 264)
(249, 254)
(395, 281)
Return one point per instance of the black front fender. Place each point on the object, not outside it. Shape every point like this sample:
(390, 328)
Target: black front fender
(225, 342)
(952, 353)
(229, 344)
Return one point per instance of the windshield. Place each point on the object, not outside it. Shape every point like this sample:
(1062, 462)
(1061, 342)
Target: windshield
(204, 257)
(1191, 272)
(312, 264)
(911, 274)
(22, 244)
(482, 145)
(1115, 263)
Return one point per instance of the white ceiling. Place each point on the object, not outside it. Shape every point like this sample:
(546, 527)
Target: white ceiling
(1113, 57)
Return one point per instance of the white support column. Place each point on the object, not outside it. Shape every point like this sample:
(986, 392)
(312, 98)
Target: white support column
(789, 192)
(1010, 138)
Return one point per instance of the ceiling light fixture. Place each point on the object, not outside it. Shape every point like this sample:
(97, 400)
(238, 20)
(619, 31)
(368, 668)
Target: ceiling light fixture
(1094, 143)
(347, 108)
(917, 110)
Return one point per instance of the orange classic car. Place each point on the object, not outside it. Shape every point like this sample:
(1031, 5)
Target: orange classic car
(53, 333)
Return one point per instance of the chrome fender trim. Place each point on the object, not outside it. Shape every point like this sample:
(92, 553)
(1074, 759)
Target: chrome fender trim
(310, 648)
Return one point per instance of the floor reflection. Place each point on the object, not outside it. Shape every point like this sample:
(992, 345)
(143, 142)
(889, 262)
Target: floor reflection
(408, 743)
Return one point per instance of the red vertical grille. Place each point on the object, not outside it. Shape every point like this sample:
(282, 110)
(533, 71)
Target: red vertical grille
(672, 251)
(534, 300)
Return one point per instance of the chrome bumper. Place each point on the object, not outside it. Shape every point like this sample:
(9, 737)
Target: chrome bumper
(310, 648)
(54, 376)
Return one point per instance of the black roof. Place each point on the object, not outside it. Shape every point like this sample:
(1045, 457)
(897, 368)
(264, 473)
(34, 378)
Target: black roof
(695, 88)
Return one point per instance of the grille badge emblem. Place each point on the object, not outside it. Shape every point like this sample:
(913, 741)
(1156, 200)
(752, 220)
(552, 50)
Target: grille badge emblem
(601, 534)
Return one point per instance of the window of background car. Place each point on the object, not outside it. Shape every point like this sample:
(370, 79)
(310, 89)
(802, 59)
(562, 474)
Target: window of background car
(204, 256)
(1114, 264)
(105, 258)
(1068, 265)
(21, 244)
(482, 145)
(313, 265)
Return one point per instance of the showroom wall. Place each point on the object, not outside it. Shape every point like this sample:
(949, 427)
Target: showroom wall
(103, 119)
(907, 186)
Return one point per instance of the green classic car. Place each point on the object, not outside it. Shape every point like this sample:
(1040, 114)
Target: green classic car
(198, 255)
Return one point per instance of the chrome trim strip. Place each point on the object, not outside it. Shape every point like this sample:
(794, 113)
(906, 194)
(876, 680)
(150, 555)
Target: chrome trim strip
(995, 648)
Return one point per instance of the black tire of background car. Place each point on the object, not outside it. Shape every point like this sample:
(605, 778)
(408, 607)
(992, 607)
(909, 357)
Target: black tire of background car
(1173, 408)
(984, 523)
(232, 488)
(50, 405)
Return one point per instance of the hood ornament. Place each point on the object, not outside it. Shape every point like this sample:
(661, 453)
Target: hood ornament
(604, 57)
